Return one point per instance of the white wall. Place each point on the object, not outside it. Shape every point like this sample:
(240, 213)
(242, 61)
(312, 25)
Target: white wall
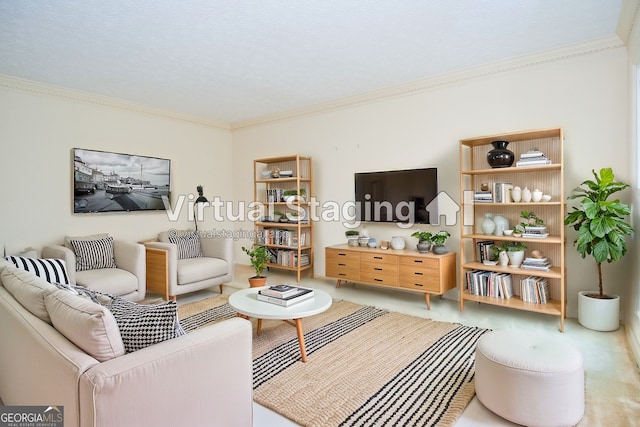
(585, 95)
(37, 133)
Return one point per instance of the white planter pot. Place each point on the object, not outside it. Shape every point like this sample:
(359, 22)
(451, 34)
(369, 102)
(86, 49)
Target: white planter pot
(515, 258)
(598, 314)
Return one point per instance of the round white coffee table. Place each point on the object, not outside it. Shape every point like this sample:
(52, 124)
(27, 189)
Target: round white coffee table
(246, 303)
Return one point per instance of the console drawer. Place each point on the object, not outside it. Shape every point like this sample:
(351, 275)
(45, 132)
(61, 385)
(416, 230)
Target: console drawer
(419, 262)
(427, 280)
(379, 273)
(378, 258)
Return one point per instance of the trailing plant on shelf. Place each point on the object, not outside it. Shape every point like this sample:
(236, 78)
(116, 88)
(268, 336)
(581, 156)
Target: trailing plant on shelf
(259, 257)
(599, 221)
(511, 246)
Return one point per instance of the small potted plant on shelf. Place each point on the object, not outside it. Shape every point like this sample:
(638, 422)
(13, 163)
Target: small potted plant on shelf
(424, 240)
(259, 258)
(514, 251)
(601, 226)
(352, 237)
(438, 240)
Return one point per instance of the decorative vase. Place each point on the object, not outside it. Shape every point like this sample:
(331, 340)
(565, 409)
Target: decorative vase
(500, 156)
(501, 224)
(397, 242)
(423, 246)
(516, 194)
(503, 258)
(526, 195)
(598, 314)
(487, 225)
(515, 258)
(352, 241)
(536, 195)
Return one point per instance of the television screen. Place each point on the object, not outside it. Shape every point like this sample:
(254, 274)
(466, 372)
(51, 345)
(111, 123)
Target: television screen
(116, 182)
(396, 196)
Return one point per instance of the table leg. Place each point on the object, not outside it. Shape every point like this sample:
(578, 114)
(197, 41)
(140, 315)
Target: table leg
(427, 299)
(303, 351)
(259, 327)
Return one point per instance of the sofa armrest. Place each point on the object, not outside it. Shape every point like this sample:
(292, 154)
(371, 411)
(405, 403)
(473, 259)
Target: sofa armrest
(65, 254)
(131, 257)
(203, 378)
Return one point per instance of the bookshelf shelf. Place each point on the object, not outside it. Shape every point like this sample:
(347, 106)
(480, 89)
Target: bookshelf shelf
(476, 174)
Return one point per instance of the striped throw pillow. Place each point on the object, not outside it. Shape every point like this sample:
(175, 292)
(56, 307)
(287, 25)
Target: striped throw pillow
(188, 245)
(50, 269)
(94, 254)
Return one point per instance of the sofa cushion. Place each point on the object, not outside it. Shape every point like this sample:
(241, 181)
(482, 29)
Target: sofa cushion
(196, 269)
(88, 325)
(188, 245)
(68, 239)
(28, 289)
(93, 254)
(108, 280)
(144, 325)
(51, 269)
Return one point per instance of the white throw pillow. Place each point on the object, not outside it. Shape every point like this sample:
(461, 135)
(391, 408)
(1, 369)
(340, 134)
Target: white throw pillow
(28, 289)
(88, 325)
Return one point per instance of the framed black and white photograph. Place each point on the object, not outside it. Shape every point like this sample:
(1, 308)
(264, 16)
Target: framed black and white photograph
(116, 182)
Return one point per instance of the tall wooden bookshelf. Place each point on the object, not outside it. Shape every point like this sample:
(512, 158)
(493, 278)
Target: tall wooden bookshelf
(475, 170)
(289, 239)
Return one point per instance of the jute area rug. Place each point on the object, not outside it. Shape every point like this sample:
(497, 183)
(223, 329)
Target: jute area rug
(366, 366)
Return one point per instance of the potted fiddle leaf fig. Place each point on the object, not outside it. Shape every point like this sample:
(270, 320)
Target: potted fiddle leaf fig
(259, 258)
(602, 228)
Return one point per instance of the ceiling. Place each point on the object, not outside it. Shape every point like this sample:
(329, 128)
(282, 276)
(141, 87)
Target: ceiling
(233, 61)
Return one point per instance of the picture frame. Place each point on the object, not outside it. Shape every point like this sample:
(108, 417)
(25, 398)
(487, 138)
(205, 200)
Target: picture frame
(105, 181)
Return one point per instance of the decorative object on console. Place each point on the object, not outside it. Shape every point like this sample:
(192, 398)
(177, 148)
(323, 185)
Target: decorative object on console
(259, 258)
(500, 156)
(424, 241)
(438, 240)
(397, 242)
(598, 310)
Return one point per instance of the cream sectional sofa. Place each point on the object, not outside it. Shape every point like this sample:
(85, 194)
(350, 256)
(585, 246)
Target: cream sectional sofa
(200, 379)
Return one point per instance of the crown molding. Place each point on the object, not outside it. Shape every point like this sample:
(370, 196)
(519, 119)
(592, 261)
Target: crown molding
(42, 89)
(628, 19)
(447, 79)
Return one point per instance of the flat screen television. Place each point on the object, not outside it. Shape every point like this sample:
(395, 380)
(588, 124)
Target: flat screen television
(396, 196)
(116, 182)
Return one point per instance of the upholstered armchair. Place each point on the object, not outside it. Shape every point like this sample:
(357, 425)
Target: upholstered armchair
(100, 263)
(185, 261)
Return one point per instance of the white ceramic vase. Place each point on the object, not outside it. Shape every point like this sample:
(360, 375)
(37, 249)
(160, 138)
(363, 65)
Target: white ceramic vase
(501, 224)
(516, 194)
(526, 195)
(503, 258)
(515, 258)
(397, 242)
(487, 225)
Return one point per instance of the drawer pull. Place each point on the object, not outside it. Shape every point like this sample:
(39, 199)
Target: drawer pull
(417, 284)
(417, 273)
(341, 274)
(378, 280)
(341, 254)
(377, 269)
(342, 265)
(417, 260)
(377, 257)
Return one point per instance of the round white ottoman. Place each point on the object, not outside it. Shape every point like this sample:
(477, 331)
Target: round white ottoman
(530, 379)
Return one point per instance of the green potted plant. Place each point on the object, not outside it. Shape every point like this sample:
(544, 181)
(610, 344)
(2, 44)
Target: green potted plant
(438, 240)
(352, 237)
(259, 258)
(601, 226)
(424, 240)
(515, 251)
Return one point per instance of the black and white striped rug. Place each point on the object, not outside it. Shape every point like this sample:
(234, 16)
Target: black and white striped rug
(365, 367)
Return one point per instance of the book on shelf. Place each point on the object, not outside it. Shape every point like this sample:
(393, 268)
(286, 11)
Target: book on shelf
(489, 284)
(484, 250)
(302, 294)
(533, 162)
(502, 192)
(541, 264)
(535, 290)
(483, 196)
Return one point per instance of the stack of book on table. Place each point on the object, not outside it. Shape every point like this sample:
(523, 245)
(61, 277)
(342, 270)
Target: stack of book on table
(284, 295)
(533, 158)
